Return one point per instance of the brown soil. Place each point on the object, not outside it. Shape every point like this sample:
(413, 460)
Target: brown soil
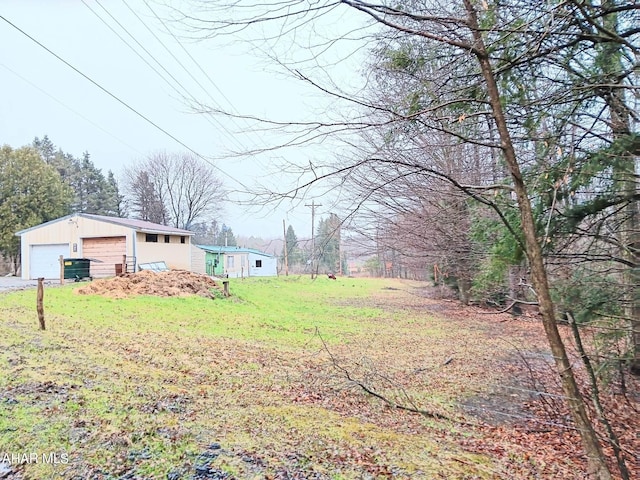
(173, 283)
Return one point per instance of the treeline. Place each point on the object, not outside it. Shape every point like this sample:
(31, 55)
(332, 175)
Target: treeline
(91, 191)
(507, 172)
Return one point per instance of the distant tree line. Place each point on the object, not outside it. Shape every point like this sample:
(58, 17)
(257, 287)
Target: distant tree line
(91, 191)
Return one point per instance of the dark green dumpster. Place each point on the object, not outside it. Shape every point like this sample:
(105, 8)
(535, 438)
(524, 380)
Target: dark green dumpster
(77, 268)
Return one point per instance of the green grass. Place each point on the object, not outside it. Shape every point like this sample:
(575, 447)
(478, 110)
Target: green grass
(285, 311)
(144, 384)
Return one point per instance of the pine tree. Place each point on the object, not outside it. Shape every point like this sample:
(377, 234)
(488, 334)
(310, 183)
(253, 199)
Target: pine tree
(294, 253)
(31, 192)
(145, 202)
(328, 244)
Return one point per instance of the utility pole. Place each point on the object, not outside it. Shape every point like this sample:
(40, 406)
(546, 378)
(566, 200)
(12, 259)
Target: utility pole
(313, 206)
(286, 256)
(340, 255)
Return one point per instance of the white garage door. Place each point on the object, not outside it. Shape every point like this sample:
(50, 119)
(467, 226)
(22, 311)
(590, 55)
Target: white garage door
(45, 260)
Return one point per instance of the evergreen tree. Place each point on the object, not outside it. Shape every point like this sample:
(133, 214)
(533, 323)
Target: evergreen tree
(145, 202)
(31, 192)
(226, 237)
(206, 233)
(46, 148)
(116, 202)
(93, 193)
(294, 253)
(328, 244)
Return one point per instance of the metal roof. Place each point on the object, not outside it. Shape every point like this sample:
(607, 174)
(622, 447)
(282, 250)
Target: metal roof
(223, 249)
(139, 225)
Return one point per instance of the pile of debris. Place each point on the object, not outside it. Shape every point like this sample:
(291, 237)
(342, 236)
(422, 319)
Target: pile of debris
(172, 283)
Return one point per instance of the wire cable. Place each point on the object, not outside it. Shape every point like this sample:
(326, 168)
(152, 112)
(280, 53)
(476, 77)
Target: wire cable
(220, 124)
(196, 63)
(123, 103)
(71, 109)
(185, 93)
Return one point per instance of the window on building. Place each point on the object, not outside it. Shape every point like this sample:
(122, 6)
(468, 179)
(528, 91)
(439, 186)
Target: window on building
(258, 263)
(183, 239)
(152, 237)
(230, 262)
(166, 239)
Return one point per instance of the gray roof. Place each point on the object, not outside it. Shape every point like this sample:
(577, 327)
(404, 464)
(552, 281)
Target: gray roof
(139, 225)
(221, 249)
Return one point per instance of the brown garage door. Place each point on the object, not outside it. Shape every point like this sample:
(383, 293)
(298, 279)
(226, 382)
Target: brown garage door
(105, 252)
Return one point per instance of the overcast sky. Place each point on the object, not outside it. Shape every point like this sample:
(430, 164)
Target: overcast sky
(44, 96)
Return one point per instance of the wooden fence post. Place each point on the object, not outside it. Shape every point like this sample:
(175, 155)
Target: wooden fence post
(225, 286)
(61, 270)
(40, 303)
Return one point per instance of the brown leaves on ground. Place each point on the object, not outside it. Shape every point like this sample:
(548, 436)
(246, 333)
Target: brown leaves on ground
(520, 415)
(173, 283)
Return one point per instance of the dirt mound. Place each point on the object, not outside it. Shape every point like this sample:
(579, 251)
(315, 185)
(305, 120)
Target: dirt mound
(173, 283)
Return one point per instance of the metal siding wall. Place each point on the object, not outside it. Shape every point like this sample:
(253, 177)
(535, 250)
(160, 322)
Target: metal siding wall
(175, 254)
(68, 230)
(198, 261)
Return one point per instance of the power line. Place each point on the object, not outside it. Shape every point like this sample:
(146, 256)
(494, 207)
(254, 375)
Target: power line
(122, 102)
(71, 109)
(193, 98)
(131, 47)
(194, 61)
(185, 93)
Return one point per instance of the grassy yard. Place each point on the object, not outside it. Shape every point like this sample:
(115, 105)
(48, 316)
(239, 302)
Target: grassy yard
(251, 386)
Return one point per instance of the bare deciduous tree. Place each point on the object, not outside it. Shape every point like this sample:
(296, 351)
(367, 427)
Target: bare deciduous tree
(174, 189)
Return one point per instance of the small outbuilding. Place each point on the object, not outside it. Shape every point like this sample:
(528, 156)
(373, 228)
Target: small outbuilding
(238, 262)
(111, 244)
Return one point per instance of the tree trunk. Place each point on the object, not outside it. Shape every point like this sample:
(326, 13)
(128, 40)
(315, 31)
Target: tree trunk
(464, 290)
(516, 290)
(624, 176)
(596, 460)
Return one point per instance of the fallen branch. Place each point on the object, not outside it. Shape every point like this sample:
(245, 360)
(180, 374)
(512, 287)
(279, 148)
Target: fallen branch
(508, 307)
(387, 401)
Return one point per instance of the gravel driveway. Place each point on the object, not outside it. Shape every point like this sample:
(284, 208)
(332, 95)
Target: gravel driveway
(16, 283)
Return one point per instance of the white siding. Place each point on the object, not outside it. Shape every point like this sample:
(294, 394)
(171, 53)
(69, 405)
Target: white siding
(268, 265)
(198, 260)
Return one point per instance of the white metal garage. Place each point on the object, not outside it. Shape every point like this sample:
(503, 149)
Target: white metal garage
(107, 239)
(44, 260)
